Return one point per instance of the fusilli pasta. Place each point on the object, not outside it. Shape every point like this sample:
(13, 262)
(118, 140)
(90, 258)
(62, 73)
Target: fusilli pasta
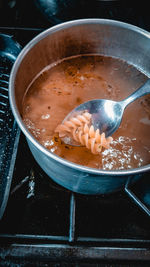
(81, 131)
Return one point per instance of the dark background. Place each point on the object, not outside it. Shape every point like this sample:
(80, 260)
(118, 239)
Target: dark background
(30, 13)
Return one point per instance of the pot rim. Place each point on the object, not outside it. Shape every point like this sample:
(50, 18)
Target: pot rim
(16, 113)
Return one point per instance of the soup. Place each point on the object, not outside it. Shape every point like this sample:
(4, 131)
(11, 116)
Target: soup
(64, 85)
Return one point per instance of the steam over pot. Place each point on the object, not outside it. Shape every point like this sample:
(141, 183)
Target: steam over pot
(107, 37)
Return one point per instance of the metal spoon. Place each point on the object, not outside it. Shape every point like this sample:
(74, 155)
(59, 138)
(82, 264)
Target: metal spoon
(107, 114)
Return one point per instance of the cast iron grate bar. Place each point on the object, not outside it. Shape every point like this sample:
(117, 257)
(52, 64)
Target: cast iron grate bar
(138, 201)
(134, 196)
(113, 242)
(2, 95)
(4, 105)
(72, 218)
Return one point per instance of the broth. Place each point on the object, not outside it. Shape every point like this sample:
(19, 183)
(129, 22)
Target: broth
(64, 85)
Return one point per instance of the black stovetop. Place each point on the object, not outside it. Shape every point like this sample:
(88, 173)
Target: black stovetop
(47, 225)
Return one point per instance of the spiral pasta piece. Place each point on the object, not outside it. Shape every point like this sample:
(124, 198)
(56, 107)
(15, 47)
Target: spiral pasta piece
(82, 132)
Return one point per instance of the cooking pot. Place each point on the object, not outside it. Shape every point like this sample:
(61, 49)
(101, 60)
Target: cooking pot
(85, 36)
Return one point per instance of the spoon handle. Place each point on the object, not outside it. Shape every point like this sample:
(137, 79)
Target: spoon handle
(143, 90)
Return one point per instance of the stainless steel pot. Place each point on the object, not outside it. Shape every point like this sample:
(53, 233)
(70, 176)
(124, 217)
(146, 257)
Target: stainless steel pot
(107, 37)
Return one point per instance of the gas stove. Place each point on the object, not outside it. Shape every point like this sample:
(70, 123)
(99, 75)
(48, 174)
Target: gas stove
(43, 224)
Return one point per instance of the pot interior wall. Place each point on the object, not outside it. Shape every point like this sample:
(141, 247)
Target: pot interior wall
(107, 38)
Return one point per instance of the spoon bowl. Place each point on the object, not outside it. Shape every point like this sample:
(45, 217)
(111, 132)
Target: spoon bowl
(106, 115)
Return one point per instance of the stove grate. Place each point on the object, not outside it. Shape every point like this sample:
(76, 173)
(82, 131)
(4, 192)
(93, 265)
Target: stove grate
(9, 133)
(26, 223)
